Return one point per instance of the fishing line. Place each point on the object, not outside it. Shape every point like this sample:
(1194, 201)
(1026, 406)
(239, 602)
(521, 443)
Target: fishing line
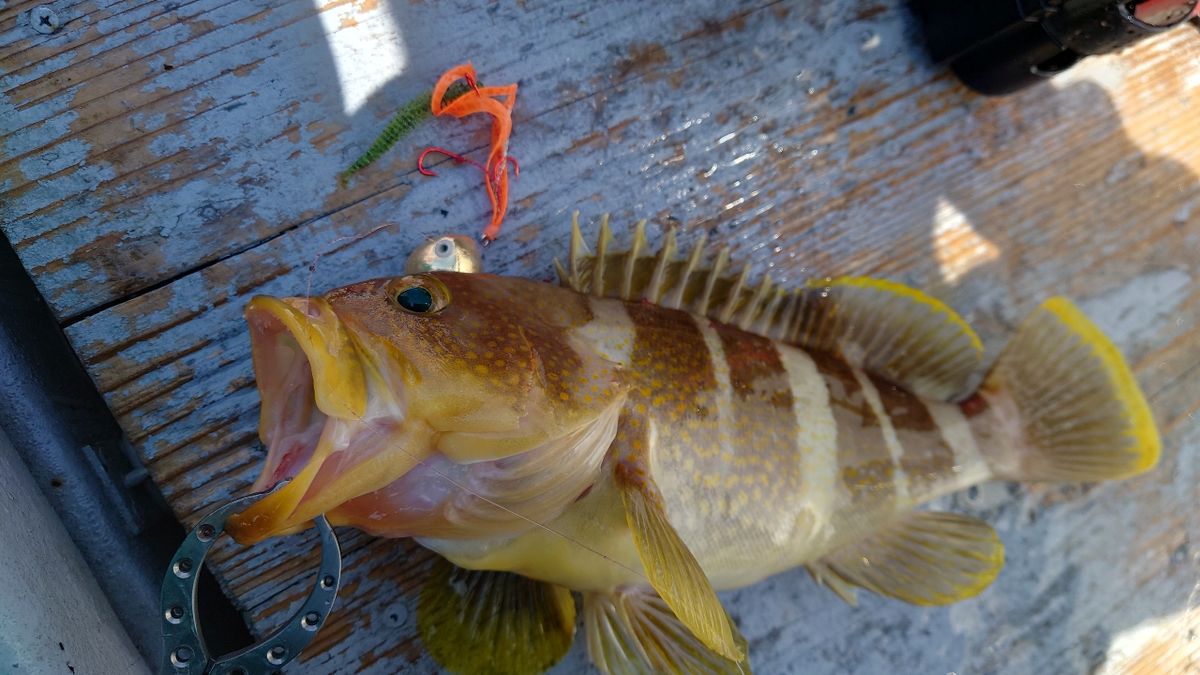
(312, 266)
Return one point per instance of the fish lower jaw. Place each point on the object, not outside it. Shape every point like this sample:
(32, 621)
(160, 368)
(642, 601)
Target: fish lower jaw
(344, 462)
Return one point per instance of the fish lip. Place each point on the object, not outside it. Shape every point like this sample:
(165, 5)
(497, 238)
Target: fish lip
(312, 386)
(284, 379)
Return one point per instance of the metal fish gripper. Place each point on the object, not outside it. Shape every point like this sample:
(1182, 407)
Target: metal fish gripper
(184, 650)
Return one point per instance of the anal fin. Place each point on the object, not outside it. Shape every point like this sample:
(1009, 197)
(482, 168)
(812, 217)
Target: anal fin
(494, 622)
(633, 631)
(924, 557)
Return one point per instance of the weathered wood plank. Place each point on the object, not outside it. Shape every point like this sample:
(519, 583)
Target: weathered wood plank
(812, 139)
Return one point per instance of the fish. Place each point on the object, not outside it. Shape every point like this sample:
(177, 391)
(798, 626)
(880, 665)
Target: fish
(658, 427)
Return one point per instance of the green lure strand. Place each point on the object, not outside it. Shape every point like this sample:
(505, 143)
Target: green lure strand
(405, 120)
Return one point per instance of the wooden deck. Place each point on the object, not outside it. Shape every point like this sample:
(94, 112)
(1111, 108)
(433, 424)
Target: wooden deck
(164, 161)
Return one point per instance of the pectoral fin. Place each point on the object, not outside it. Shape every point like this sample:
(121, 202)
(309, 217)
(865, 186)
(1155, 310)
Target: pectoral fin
(634, 631)
(670, 567)
(926, 558)
(494, 622)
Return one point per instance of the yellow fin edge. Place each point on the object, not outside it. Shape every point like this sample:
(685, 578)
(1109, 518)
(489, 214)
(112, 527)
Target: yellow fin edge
(979, 583)
(1142, 429)
(926, 558)
(910, 293)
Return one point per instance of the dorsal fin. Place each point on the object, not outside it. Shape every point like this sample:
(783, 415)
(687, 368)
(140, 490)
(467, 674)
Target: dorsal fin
(887, 328)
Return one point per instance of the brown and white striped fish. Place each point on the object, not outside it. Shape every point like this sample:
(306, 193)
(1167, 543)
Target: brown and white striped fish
(653, 430)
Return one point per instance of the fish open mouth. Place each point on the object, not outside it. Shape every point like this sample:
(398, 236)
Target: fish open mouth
(331, 417)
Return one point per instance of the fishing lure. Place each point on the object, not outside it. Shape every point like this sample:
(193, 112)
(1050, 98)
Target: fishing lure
(457, 94)
(407, 118)
(655, 429)
(496, 102)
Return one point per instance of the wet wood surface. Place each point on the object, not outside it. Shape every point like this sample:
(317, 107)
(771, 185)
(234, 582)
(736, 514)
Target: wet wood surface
(164, 161)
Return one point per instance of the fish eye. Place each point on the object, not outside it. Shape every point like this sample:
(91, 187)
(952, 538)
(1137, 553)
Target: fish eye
(416, 299)
(419, 294)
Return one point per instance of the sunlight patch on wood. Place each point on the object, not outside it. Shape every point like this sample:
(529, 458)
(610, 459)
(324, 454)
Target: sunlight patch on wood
(1108, 71)
(367, 49)
(956, 245)
(1146, 99)
(1168, 645)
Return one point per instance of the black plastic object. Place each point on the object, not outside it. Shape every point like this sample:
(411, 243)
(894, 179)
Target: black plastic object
(63, 431)
(1001, 46)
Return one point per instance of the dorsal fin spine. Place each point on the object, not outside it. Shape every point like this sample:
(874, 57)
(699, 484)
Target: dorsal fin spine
(710, 283)
(767, 318)
(750, 311)
(631, 258)
(815, 323)
(564, 279)
(782, 326)
(735, 294)
(803, 321)
(602, 241)
(578, 251)
(792, 326)
(751, 317)
(675, 299)
(666, 255)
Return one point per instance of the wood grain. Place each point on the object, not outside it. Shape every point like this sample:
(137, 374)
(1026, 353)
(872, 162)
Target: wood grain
(163, 162)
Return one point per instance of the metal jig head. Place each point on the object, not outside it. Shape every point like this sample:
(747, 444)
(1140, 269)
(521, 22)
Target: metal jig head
(452, 252)
(184, 650)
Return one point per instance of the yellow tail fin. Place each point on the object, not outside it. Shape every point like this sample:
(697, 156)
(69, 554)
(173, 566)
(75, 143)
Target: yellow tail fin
(1066, 404)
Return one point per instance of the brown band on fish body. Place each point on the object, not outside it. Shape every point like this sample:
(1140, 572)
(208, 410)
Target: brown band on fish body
(864, 459)
(974, 405)
(927, 459)
(752, 359)
(761, 460)
(674, 381)
(671, 371)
